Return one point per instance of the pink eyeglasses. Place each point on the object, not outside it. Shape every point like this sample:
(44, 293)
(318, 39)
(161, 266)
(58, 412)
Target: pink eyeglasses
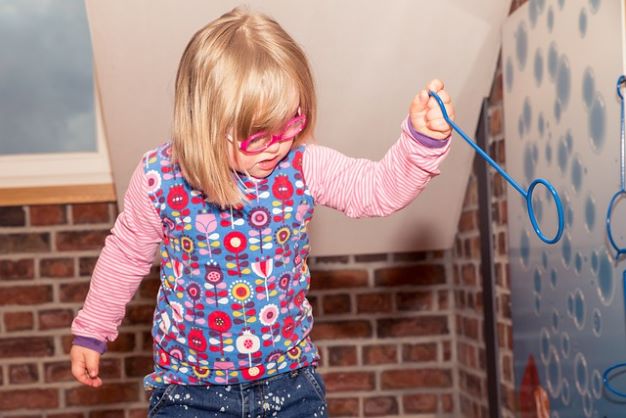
(260, 141)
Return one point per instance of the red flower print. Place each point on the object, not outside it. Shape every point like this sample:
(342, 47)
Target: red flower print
(253, 373)
(282, 188)
(297, 161)
(299, 299)
(288, 327)
(177, 198)
(235, 242)
(197, 341)
(284, 280)
(219, 321)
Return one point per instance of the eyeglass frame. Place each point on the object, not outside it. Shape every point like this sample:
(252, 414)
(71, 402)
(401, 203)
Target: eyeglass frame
(243, 145)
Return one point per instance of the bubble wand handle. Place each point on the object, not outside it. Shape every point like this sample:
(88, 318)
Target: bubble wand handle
(527, 194)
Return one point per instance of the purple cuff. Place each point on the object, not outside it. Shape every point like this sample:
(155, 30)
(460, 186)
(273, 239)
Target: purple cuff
(91, 343)
(425, 139)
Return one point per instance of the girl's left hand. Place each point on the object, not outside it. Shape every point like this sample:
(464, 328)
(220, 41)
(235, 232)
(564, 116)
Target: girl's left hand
(426, 115)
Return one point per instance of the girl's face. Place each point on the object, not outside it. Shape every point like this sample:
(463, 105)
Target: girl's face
(262, 164)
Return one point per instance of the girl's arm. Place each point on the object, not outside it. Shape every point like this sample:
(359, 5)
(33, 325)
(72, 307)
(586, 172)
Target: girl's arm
(363, 188)
(127, 257)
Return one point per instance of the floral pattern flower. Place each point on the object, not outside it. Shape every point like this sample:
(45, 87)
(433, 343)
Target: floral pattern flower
(248, 343)
(268, 314)
(219, 321)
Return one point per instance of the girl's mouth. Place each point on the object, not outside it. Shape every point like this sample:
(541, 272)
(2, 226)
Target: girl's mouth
(268, 164)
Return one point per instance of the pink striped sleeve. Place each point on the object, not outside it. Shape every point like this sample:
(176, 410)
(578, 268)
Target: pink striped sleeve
(363, 188)
(127, 256)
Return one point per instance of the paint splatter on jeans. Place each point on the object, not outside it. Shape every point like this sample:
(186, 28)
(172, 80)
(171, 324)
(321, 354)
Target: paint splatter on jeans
(300, 393)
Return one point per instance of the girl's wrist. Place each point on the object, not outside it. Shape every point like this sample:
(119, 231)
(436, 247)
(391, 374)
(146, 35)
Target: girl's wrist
(90, 343)
(425, 139)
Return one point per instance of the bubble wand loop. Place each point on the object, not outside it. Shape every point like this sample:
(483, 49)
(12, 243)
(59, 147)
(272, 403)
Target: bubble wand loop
(622, 191)
(526, 194)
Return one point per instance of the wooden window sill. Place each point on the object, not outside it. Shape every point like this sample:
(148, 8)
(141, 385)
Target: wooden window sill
(46, 195)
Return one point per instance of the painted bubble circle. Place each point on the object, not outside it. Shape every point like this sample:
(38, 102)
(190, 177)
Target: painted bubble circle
(596, 384)
(555, 320)
(595, 262)
(561, 4)
(589, 87)
(508, 73)
(550, 19)
(566, 250)
(565, 392)
(544, 259)
(587, 404)
(579, 309)
(545, 345)
(527, 114)
(597, 123)
(537, 281)
(606, 284)
(594, 5)
(554, 373)
(524, 248)
(570, 305)
(557, 110)
(565, 344)
(537, 304)
(521, 45)
(581, 373)
(553, 60)
(541, 124)
(529, 162)
(577, 174)
(533, 12)
(582, 23)
(538, 67)
(596, 321)
(563, 81)
(553, 277)
(578, 262)
(562, 155)
(590, 213)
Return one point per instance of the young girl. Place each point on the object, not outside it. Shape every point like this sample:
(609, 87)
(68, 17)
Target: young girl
(229, 200)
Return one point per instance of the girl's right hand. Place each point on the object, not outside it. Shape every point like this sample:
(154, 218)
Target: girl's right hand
(85, 366)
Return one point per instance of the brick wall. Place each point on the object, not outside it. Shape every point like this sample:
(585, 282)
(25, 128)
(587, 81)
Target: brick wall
(384, 324)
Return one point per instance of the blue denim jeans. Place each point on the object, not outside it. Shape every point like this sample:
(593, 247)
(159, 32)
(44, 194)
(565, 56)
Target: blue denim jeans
(300, 393)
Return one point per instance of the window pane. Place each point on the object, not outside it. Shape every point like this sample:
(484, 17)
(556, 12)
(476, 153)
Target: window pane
(46, 84)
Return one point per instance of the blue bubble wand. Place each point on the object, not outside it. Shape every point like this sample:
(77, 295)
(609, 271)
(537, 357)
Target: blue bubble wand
(526, 194)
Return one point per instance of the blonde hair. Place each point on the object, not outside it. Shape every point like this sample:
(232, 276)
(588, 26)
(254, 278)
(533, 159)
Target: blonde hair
(238, 75)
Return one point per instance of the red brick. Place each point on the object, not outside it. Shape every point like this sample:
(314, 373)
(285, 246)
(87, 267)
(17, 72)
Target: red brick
(11, 400)
(12, 216)
(414, 301)
(443, 298)
(56, 267)
(138, 366)
(26, 347)
(343, 407)
(349, 381)
(468, 275)
(342, 356)
(58, 371)
(23, 373)
(123, 343)
(420, 403)
(25, 295)
(497, 92)
(86, 265)
(380, 406)
(81, 240)
(17, 269)
(495, 121)
(412, 327)
(138, 413)
(55, 318)
(106, 394)
(18, 321)
(90, 213)
(25, 243)
(336, 304)
(419, 352)
(112, 413)
(418, 275)
(66, 415)
(374, 303)
(148, 288)
(416, 378)
(73, 292)
(45, 215)
(337, 279)
(468, 221)
(341, 329)
(380, 354)
(139, 314)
